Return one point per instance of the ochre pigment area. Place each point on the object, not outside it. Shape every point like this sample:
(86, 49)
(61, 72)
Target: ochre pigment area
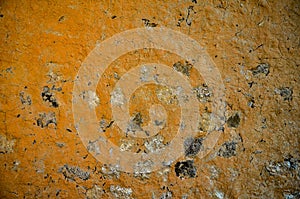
(254, 45)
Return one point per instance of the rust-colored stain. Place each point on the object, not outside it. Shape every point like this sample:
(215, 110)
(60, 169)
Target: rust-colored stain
(254, 45)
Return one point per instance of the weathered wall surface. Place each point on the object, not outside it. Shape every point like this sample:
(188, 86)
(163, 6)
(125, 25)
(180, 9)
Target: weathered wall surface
(255, 46)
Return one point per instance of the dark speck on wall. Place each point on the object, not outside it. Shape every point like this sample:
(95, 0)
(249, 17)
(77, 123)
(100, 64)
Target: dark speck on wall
(183, 67)
(62, 18)
(70, 172)
(285, 92)
(228, 149)
(49, 97)
(185, 169)
(192, 146)
(147, 23)
(135, 123)
(234, 121)
(263, 68)
(45, 119)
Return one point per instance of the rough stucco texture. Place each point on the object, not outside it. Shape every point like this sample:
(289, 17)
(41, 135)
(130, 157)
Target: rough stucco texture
(255, 46)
